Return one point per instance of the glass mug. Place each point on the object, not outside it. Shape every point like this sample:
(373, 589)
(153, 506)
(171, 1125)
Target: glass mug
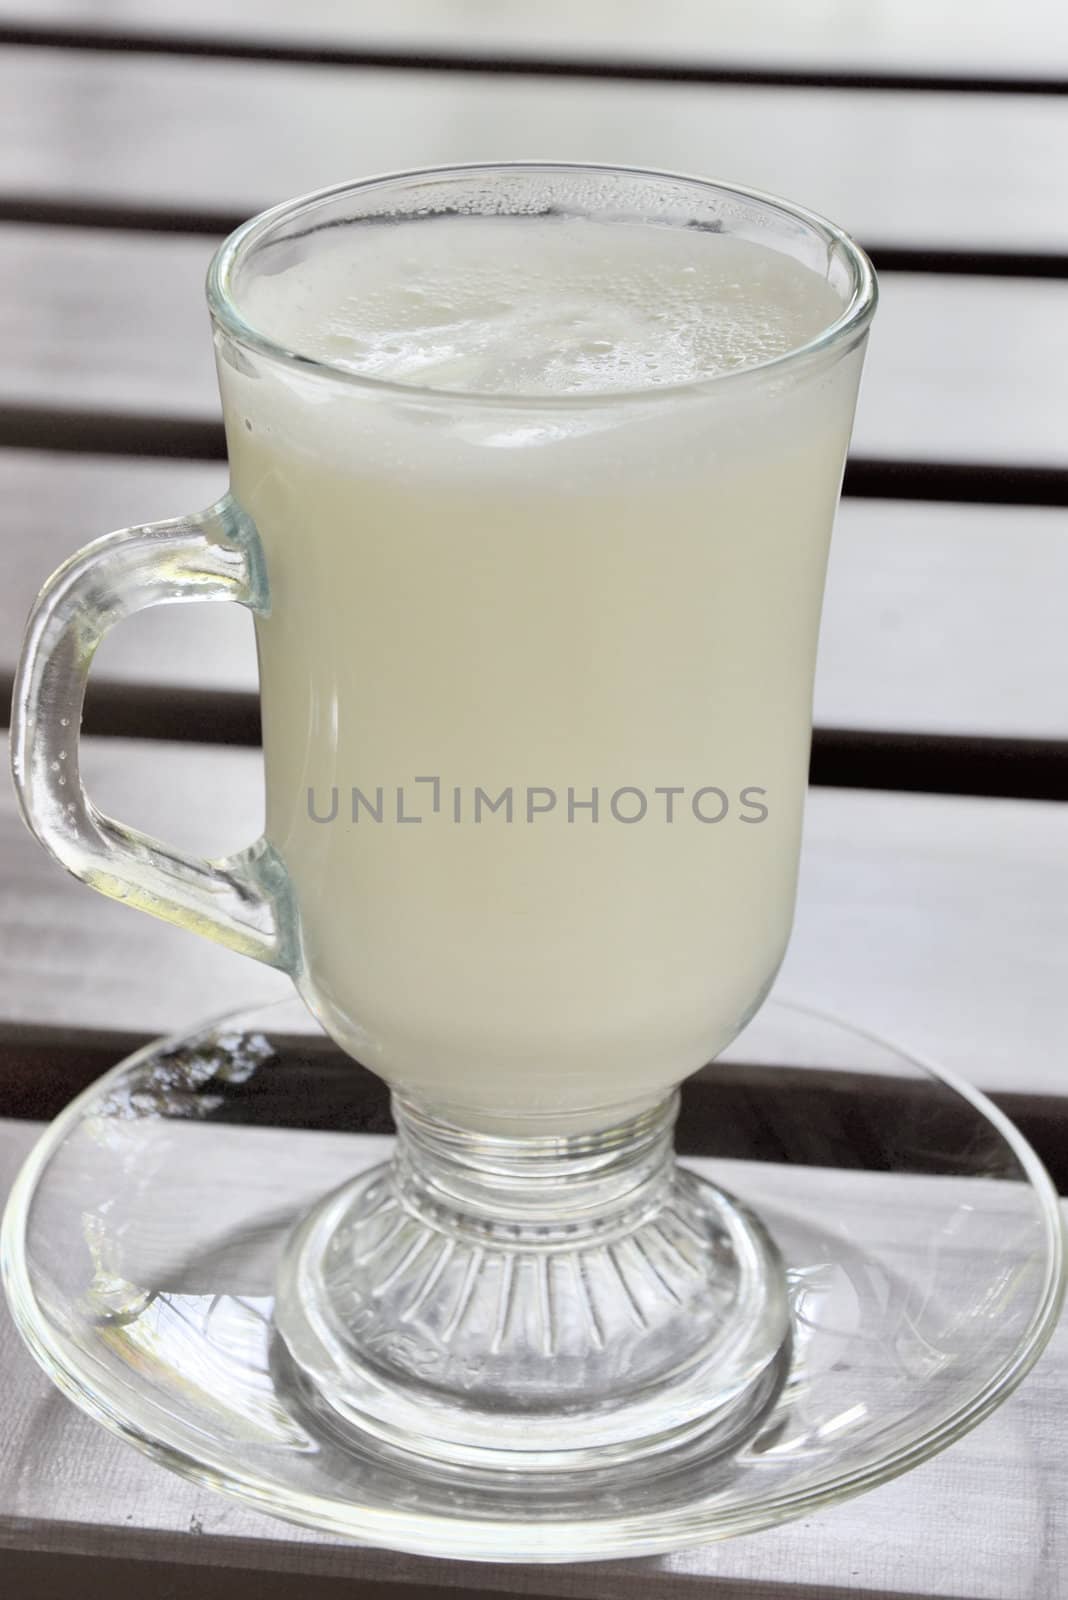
(536, 680)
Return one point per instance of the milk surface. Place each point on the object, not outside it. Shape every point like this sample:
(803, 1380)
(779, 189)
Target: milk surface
(537, 672)
(546, 306)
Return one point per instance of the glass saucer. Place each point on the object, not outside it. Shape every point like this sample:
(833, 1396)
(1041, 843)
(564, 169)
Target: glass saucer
(920, 1233)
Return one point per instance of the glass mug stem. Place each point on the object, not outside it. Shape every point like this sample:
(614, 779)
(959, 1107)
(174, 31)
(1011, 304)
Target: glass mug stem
(239, 901)
(552, 1304)
(565, 1188)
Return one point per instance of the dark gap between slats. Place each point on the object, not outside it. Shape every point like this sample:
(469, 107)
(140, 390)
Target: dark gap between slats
(787, 1115)
(33, 427)
(67, 36)
(39, 1574)
(937, 763)
(72, 211)
(842, 758)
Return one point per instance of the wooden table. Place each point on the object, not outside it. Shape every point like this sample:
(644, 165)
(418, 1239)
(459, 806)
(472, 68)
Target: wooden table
(934, 895)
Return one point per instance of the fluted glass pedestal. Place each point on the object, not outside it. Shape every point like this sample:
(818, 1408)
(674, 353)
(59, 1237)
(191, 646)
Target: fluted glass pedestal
(543, 1302)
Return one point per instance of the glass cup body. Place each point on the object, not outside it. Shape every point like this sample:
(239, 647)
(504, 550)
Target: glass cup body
(537, 674)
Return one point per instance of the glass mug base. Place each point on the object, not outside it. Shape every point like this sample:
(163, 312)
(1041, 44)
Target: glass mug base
(559, 1303)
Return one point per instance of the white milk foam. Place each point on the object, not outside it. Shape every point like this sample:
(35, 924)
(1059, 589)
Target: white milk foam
(535, 306)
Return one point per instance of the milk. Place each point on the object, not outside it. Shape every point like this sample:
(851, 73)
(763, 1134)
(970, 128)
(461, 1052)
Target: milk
(537, 671)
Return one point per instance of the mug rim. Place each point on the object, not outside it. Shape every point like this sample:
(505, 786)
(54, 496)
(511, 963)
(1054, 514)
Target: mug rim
(836, 337)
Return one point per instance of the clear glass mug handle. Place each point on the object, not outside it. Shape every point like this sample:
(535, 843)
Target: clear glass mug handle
(239, 901)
